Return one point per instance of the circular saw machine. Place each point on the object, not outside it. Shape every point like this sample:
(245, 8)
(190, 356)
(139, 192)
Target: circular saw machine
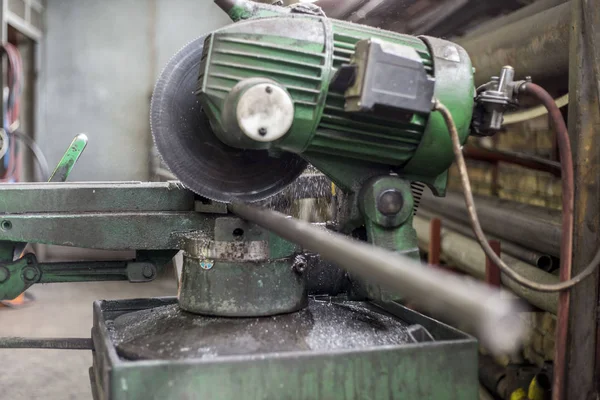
(238, 114)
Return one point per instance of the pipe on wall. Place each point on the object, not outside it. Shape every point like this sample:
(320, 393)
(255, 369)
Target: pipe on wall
(540, 260)
(532, 227)
(534, 46)
(466, 255)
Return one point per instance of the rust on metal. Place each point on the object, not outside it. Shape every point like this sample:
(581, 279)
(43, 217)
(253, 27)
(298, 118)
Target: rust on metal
(522, 160)
(435, 241)
(492, 271)
(576, 346)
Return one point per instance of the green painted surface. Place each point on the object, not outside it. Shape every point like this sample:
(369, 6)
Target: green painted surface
(69, 159)
(242, 289)
(301, 53)
(247, 10)
(26, 271)
(15, 283)
(441, 370)
(395, 232)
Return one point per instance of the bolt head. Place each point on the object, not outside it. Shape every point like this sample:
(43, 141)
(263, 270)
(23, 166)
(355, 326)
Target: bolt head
(4, 274)
(148, 272)
(29, 274)
(390, 202)
(299, 265)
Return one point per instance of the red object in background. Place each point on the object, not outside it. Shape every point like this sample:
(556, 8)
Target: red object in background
(492, 272)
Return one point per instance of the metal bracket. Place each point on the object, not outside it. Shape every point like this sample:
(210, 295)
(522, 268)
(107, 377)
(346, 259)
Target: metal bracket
(493, 100)
(17, 276)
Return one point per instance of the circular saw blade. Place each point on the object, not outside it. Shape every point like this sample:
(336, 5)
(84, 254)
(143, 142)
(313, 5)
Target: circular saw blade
(193, 153)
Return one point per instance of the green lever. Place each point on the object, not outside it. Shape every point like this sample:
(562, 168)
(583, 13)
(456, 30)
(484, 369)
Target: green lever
(68, 160)
(62, 171)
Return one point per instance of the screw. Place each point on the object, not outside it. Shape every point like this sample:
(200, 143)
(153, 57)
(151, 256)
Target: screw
(269, 89)
(262, 132)
(390, 202)
(148, 272)
(299, 265)
(29, 274)
(6, 225)
(4, 274)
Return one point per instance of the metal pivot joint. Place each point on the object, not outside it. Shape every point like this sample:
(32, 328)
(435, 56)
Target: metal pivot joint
(19, 275)
(386, 204)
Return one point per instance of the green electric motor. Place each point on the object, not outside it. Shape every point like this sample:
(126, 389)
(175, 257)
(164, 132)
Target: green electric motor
(283, 86)
(335, 92)
(238, 115)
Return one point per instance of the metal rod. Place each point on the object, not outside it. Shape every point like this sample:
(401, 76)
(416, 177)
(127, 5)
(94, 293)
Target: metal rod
(483, 309)
(540, 260)
(523, 160)
(46, 343)
(533, 227)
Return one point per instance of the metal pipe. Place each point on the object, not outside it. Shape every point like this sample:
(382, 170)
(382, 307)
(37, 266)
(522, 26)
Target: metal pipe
(466, 255)
(533, 227)
(479, 307)
(492, 376)
(523, 160)
(540, 260)
(46, 343)
(534, 46)
(534, 8)
(340, 9)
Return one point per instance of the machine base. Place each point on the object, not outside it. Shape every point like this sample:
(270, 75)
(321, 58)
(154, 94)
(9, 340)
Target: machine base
(149, 349)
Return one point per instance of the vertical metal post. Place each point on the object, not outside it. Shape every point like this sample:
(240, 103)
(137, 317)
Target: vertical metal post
(492, 272)
(575, 354)
(3, 39)
(435, 241)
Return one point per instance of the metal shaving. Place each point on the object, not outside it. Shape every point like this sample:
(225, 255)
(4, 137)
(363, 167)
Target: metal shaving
(168, 333)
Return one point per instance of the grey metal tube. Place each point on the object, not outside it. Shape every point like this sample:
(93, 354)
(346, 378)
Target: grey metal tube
(532, 227)
(477, 306)
(540, 260)
(534, 46)
(466, 255)
(46, 343)
(534, 8)
(339, 9)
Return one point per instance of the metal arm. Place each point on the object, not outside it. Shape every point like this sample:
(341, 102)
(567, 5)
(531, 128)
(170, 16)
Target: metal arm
(18, 276)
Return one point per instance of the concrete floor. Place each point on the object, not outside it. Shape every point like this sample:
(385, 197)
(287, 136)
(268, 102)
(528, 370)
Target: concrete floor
(60, 310)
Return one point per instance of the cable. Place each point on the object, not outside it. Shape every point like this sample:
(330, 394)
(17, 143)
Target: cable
(567, 171)
(531, 113)
(12, 158)
(37, 152)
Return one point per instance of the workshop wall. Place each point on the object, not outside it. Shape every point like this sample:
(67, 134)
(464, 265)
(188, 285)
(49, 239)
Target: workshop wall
(98, 68)
(533, 137)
